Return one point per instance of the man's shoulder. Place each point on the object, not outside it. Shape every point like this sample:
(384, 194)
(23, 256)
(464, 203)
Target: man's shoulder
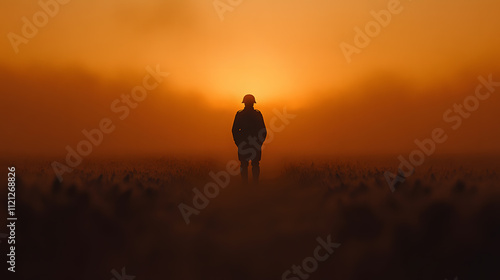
(255, 111)
(247, 111)
(258, 113)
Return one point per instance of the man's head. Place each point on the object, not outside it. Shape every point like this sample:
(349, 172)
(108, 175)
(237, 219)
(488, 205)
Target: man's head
(249, 100)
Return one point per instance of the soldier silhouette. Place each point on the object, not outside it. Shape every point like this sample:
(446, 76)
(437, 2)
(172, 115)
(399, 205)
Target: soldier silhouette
(249, 133)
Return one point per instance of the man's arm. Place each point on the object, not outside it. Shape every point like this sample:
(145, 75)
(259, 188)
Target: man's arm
(236, 129)
(262, 129)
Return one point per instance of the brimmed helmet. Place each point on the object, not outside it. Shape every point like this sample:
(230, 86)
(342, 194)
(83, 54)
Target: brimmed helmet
(249, 99)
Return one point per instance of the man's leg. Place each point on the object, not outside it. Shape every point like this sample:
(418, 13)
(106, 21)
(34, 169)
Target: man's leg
(244, 171)
(255, 171)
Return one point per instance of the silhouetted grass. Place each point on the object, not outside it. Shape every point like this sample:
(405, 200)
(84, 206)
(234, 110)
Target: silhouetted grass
(442, 222)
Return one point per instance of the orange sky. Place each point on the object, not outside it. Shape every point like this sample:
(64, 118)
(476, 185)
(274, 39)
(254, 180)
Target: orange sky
(287, 53)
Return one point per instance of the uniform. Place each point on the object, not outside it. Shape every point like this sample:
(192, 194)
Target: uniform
(249, 133)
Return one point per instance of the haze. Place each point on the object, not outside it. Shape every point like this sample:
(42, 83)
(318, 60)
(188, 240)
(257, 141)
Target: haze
(287, 53)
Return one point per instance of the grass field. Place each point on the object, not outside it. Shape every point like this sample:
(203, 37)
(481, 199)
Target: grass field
(443, 222)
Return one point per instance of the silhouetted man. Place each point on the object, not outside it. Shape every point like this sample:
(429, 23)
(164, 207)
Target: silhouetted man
(249, 133)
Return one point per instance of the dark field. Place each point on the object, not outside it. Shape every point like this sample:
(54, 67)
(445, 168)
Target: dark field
(443, 222)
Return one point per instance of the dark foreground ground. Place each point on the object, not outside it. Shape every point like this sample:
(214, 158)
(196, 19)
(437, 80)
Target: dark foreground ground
(442, 223)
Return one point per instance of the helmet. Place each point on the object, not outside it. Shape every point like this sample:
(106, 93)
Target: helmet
(248, 99)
